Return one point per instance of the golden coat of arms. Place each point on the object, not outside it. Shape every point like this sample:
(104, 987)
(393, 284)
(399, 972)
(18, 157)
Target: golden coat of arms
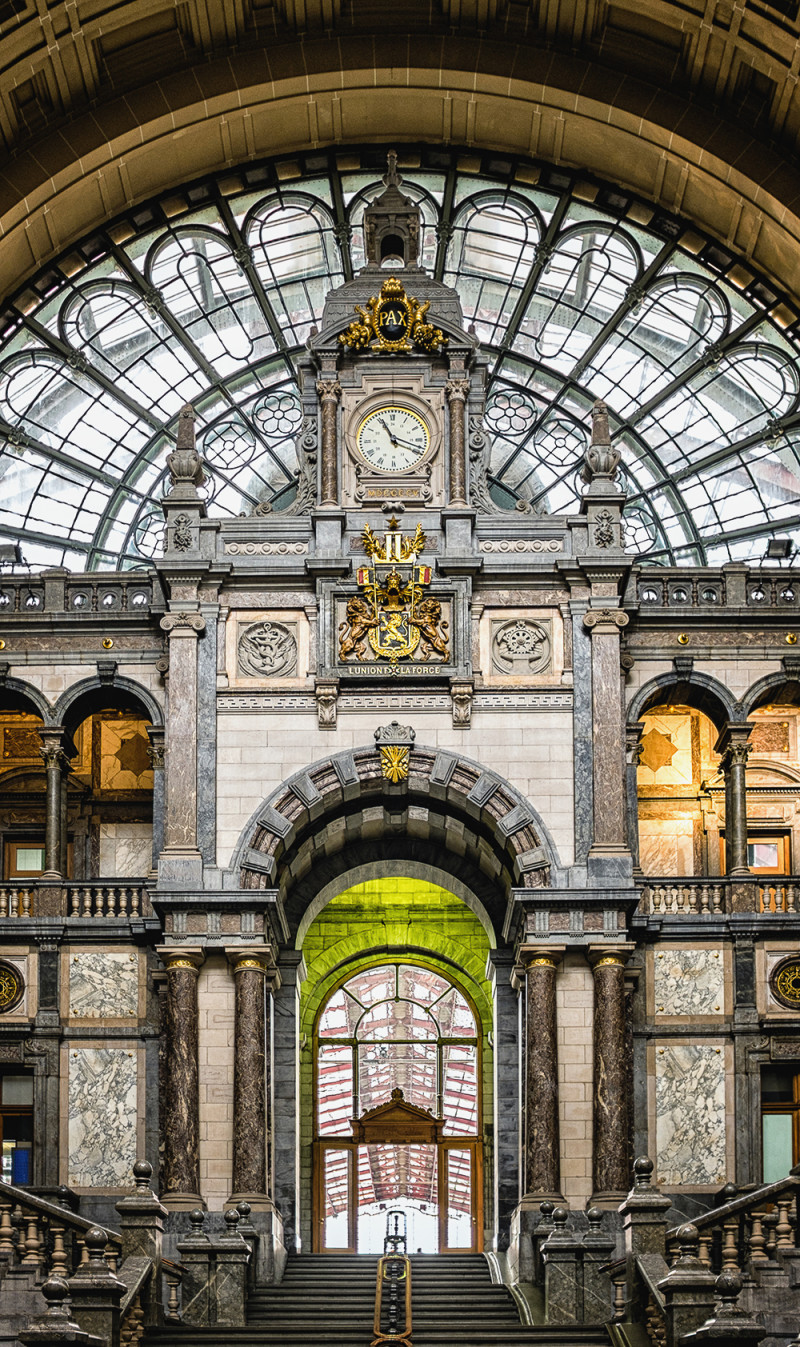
(392, 321)
(393, 612)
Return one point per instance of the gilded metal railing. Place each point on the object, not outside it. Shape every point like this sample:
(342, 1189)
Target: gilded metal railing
(392, 1323)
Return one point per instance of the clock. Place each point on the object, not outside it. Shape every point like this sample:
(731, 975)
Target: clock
(393, 438)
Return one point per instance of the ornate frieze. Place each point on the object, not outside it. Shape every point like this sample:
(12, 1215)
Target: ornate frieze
(254, 549)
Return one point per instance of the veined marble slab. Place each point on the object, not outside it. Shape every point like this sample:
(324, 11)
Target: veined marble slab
(690, 1114)
(689, 982)
(102, 1116)
(103, 986)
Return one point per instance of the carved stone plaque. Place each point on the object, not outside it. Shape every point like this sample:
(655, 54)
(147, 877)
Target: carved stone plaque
(267, 650)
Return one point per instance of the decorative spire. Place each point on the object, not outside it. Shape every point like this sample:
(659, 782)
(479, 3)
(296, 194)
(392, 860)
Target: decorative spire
(392, 222)
(601, 459)
(185, 464)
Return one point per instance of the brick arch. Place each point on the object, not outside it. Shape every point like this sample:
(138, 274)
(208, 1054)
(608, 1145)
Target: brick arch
(452, 814)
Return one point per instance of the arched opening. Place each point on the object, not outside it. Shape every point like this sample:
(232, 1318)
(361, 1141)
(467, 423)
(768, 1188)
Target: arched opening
(399, 1072)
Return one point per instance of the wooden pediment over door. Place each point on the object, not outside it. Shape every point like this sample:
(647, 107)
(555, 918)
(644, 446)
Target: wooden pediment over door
(397, 1122)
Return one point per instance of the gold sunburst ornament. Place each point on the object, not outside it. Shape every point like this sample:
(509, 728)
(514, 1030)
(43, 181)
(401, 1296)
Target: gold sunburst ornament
(395, 762)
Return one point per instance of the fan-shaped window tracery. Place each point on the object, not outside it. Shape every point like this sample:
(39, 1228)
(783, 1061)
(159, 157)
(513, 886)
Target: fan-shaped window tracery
(576, 292)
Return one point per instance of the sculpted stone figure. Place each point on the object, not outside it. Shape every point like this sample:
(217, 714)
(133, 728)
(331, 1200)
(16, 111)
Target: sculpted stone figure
(360, 619)
(428, 617)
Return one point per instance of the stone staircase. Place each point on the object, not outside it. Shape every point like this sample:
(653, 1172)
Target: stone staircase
(330, 1299)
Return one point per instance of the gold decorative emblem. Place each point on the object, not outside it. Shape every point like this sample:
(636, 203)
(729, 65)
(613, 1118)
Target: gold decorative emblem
(394, 762)
(12, 986)
(392, 321)
(393, 611)
(786, 983)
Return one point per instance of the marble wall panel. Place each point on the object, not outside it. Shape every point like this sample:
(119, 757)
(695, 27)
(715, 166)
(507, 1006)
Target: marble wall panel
(666, 846)
(126, 850)
(690, 1114)
(103, 986)
(666, 758)
(101, 1106)
(689, 982)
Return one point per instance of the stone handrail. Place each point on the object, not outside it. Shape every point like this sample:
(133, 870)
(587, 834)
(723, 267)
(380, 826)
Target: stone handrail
(22, 1198)
(739, 1233)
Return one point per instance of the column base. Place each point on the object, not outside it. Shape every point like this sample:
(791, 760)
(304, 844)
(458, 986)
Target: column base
(181, 866)
(609, 865)
(608, 1201)
(182, 1201)
(258, 1201)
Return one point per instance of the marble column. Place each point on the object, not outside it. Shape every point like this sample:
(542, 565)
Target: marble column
(609, 834)
(457, 394)
(633, 749)
(542, 1154)
(155, 734)
(329, 390)
(611, 1104)
(56, 765)
(733, 745)
(181, 1116)
(180, 830)
(499, 968)
(250, 1076)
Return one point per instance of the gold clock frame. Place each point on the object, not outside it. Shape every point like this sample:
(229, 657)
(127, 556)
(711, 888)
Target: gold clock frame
(401, 403)
(387, 398)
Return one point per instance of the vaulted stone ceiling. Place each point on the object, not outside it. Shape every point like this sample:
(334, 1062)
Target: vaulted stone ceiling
(695, 106)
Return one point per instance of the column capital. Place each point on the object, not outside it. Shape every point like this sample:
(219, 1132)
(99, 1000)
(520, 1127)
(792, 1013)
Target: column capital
(529, 957)
(250, 958)
(182, 624)
(181, 956)
(329, 389)
(733, 743)
(606, 956)
(605, 621)
(457, 390)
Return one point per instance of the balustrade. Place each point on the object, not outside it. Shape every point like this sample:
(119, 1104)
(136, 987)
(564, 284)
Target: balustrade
(101, 898)
(16, 901)
(696, 896)
(748, 1231)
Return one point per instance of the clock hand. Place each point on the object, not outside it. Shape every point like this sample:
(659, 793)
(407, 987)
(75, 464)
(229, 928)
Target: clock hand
(392, 437)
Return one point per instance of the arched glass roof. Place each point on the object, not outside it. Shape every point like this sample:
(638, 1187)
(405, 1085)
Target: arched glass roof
(576, 291)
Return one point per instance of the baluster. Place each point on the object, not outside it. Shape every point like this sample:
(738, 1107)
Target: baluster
(730, 1244)
(618, 1313)
(6, 1230)
(173, 1313)
(783, 1228)
(704, 899)
(58, 1262)
(14, 903)
(673, 891)
(704, 1247)
(74, 901)
(111, 1255)
(136, 906)
(26, 902)
(84, 1252)
(86, 903)
(33, 1240)
(770, 1221)
(3, 902)
(791, 897)
(757, 1241)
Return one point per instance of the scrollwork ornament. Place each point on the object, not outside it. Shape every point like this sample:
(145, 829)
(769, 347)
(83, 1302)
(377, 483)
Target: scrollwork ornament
(605, 618)
(306, 449)
(480, 495)
(176, 624)
(604, 529)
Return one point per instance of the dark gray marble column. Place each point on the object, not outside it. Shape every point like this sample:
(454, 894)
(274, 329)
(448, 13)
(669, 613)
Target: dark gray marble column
(249, 1077)
(609, 841)
(286, 1096)
(611, 1103)
(733, 745)
(506, 1092)
(55, 764)
(542, 1155)
(633, 748)
(181, 1116)
(329, 390)
(457, 393)
(180, 830)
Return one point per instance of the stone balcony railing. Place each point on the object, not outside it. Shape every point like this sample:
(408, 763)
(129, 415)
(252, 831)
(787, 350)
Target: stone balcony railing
(714, 895)
(80, 898)
(730, 586)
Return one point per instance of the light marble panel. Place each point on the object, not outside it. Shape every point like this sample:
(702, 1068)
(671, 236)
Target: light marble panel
(689, 982)
(666, 751)
(103, 986)
(666, 846)
(690, 1114)
(126, 850)
(102, 1116)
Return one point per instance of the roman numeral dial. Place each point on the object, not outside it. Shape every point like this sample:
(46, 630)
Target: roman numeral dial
(393, 438)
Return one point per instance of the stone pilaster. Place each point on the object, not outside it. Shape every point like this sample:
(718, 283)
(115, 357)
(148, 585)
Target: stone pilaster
(541, 1143)
(180, 832)
(506, 1085)
(633, 749)
(733, 745)
(181, 1126)
(611, 1089)
(250, 968)
(609, 841)
(329, 390)
(457, 393)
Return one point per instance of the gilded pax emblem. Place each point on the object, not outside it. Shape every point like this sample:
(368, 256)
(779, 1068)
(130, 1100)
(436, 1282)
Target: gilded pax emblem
(393, 612)
(392, 321)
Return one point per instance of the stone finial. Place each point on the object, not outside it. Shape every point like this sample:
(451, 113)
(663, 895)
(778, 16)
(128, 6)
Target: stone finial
(56, 1293)
(688, 1237)
(642, 1172)
(196, 1219)
(142, 1174)
(595, 1218)
(601, 458)
(547, 1208)
(185, 464)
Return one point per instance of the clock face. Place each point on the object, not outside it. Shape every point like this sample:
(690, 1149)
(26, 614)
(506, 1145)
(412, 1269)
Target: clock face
(393, 438)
